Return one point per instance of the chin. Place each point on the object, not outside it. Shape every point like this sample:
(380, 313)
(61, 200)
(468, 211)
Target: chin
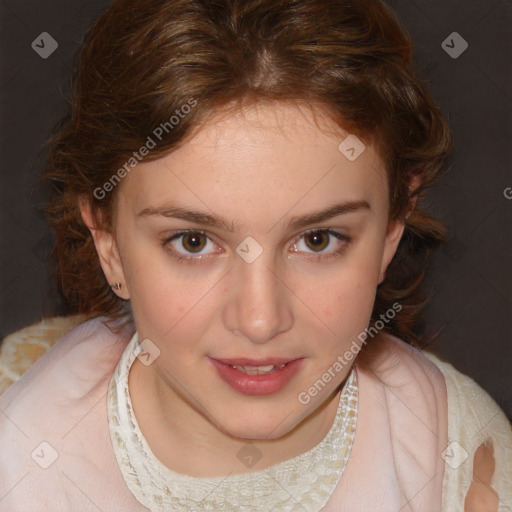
(258, 427)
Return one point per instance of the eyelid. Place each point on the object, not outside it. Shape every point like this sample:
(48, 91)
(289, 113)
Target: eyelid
(341, 237)
(182, 232)
(346, 239)
(320, 230)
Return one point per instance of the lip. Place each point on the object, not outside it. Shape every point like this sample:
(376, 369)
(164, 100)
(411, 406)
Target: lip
(257, 385)
(257, 362)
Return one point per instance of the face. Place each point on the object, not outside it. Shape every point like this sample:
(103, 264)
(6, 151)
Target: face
(256, 243)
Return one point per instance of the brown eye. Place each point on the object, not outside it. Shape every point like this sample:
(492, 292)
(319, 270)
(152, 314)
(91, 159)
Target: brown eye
(317, 241)
(322, 244)
(193, 242)
(190, 246)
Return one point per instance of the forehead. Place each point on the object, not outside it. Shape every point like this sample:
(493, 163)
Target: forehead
(258, 160)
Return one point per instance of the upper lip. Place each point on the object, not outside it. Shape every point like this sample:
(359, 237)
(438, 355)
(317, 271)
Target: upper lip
(243, 361)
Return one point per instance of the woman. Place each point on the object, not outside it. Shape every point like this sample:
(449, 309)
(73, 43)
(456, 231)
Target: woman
(238, 212)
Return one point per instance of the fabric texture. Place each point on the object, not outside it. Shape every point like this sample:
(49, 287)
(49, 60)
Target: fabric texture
(57, 453)
(474, 419)
(21, 349)
(305, 482)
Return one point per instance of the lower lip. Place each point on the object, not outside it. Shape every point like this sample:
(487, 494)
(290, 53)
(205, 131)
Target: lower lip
(257, 384)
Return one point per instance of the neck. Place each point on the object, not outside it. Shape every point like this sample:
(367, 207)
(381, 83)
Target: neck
(188, 443)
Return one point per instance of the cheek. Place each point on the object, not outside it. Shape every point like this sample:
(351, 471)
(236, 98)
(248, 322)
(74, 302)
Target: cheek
(158, 305)
(154, 301)
(345, 300)
(168, 298)
(347, 311)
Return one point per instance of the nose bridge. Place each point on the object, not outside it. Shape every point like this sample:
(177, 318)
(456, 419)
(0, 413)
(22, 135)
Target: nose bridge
(257, 308)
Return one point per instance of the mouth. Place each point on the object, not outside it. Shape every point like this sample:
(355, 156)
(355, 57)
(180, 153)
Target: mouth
(258, 370)
(257, 366)
(257, 377)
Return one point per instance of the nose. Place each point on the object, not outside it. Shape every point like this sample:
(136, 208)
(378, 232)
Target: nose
(259, 306)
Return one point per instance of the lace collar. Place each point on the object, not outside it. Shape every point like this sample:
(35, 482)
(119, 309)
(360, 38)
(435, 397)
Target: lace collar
(305, 482)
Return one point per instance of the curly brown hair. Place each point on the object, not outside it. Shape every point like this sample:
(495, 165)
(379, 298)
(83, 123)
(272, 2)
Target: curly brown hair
(144, 59)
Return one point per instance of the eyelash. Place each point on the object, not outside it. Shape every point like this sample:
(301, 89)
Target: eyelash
(324, 257)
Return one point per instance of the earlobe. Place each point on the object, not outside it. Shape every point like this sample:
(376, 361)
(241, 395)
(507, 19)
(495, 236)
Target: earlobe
(107, 250)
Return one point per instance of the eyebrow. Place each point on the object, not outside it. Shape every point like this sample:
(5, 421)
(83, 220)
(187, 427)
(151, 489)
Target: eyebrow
(297, 222)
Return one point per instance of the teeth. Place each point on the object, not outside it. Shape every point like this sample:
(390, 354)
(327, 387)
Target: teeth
(258, 370)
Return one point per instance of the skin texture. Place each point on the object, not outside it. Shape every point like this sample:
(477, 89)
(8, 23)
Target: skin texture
(481, 497)
(257, 169)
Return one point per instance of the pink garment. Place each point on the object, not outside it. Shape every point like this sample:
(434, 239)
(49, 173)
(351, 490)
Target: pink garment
(395, 463)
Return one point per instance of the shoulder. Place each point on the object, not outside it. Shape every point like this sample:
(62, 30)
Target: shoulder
(478, 455)
(472, 409)
(78, 360)
(53, 419)
(403, 368)
(409, 382)
(429, 399)
(22, 348)
(401, 422)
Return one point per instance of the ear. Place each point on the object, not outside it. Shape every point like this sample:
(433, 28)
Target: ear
(393, 236)
(395, 231)
(107, 250)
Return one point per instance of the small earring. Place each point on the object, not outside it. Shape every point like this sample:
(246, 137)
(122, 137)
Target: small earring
(116, 286)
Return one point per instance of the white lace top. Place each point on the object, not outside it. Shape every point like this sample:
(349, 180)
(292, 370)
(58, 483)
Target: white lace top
(305, 482)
